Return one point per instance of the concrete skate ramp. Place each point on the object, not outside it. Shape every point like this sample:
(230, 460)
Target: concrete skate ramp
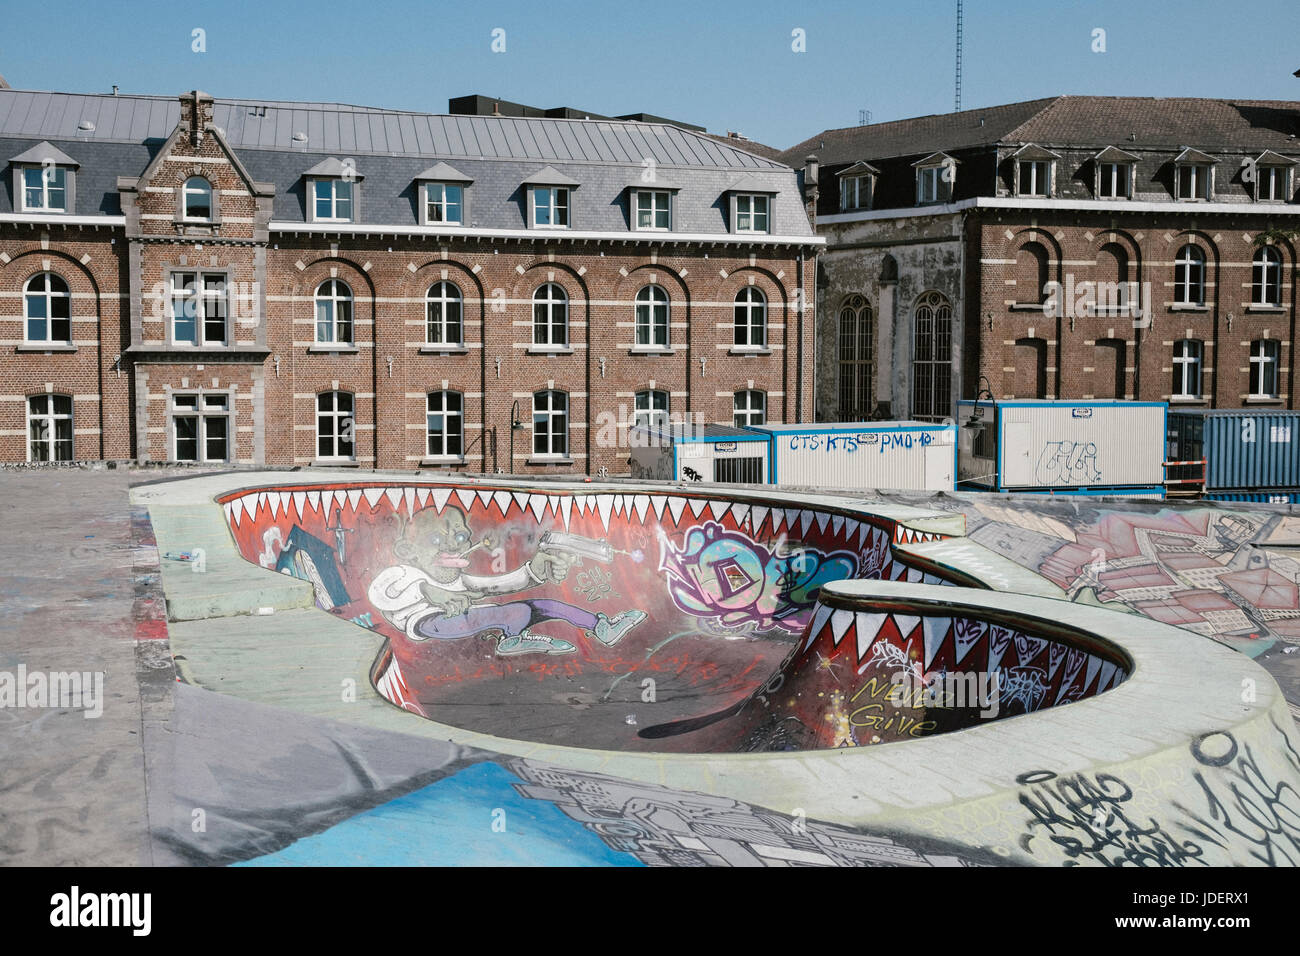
(653, 620)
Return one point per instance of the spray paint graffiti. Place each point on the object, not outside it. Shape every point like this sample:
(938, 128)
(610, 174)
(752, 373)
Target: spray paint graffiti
(1067, 463)
(729, 577)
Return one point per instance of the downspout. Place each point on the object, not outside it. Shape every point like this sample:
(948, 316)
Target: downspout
(800, 304)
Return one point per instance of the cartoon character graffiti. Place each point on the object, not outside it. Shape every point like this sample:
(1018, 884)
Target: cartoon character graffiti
(726, 576)
(431, 595)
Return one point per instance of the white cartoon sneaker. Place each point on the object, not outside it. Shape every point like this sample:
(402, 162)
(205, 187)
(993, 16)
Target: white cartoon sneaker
(610, 630)
(526, 643)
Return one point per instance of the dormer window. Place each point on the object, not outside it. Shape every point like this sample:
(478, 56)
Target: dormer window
(196, 199)
(751, 213)
(654, 209)
(43, 180)
(442, 196)
(332, 187)
(1113, 180)
(551, 207)
(935, 176)
(857, 183)
(550, 199)
(1194, 176)
(1272, 177)
(1035, 171)
(332, 199)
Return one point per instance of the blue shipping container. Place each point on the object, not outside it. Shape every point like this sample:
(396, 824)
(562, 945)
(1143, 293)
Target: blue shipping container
(1266, 497)
(1244, 449)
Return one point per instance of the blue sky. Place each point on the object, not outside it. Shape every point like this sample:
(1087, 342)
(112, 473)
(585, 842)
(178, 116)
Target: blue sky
(724, 65)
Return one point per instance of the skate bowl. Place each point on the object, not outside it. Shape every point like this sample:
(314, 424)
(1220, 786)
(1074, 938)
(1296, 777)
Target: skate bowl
(662, 621)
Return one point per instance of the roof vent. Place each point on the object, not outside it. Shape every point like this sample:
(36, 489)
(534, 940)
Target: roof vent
(115, 89)
(86, 125)
(981, 121)
(299, 137)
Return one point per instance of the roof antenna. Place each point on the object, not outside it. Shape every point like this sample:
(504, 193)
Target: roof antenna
(956, 108)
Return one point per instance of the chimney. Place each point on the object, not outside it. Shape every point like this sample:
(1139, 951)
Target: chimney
(811, 170)
(115, 89)
(196, 114)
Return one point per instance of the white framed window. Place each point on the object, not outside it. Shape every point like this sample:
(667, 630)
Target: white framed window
(445, 425)
(931, 186)
(550, 207)
(199, 308)
(442, 309)
(752, 212)
(1188, 358)
(47, 309)
(332, 200)
(333, 313)
(1272, 184)
(1189, 276)
(550, 424)
(444, 203)
(1266, 277)
(1192, 181)
(654, 209)
(751, 318)
(200, 426)
(1264, 356)
(855, 193)
(1114, 180)
(551, 316)
(45, 189)
(652, 317)
(748, 407)
(335, 426)
(650, 407)
(196, 199)
(1035, 177)
(49, 427)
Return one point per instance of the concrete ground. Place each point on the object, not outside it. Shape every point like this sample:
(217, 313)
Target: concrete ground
(171, 774)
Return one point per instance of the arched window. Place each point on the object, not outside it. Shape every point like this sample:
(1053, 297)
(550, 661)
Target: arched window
(932, 358)
(1266, 277)
(334, 312)
(1110, 361)
(551, 316)
(652, 317)
(550, 424)
(888, 269)
(443, 315)
(335, 426)
(857, 327)
(1114, 296)
(1032, 273)
(196, 199)
(445, 421)
(49, 428)
(1264, 358)
(751, 318)
(1189, 276)
(1029, 379)
(47, 308)
(651, 408)
(748, 407)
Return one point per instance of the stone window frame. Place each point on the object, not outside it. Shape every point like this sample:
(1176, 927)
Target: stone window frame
(200, 275)
(203, 412)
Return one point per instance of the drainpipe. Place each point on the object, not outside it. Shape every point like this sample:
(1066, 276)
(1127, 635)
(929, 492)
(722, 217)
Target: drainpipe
(798, 348)
(810, 177)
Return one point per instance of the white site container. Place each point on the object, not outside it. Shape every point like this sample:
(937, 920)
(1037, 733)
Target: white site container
(860, 456)
(698, 453)
(1068, 447)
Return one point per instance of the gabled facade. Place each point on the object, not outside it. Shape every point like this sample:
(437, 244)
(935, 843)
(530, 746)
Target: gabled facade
(296, 284)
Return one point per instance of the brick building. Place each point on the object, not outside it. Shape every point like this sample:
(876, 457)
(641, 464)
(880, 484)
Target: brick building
(1072, 247)
(293, 283)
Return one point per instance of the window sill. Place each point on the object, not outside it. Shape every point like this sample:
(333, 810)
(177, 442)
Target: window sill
(1187, 400)
(658, 229)
(651, 350)
(749, 350)
(442, 461)
(1028, 306)
(1188, 307)
(51, 347)
(549, 460)
(1262, 400)
(1254, 307)
(550, 350)
(335, 463)
(334, 349)
(752, 232)
(443, 350)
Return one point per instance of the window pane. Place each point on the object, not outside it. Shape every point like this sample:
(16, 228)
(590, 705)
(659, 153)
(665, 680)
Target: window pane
(216, 438)
(187, 439)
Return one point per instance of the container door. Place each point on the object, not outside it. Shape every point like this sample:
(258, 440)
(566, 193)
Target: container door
(938, 468)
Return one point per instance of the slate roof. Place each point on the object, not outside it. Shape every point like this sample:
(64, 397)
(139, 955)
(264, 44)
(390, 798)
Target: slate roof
(1156, 123)
(391, 148)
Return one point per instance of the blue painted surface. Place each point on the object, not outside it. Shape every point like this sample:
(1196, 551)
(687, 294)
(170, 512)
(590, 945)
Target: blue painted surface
(449, 823)
(1245, 449)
